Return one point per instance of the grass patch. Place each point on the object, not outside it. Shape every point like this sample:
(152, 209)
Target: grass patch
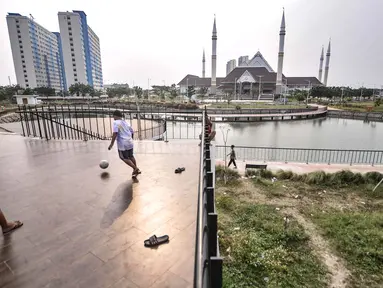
(359, 107)
(340, 179)
(232, 176)
(260, 105)
(259, 252)
(358, 237)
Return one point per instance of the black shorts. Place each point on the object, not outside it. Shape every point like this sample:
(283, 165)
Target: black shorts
(126, 154)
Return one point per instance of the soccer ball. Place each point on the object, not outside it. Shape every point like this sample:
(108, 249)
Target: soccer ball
(104, 164)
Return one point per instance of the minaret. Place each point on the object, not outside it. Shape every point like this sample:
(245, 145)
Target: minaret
(203, 64)
(213, 88)
(328, 54)
(321, 65)
(281, 53)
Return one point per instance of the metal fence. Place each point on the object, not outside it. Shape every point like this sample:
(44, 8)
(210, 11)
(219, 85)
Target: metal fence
(94, 122)
(303, 155)
(208, 263)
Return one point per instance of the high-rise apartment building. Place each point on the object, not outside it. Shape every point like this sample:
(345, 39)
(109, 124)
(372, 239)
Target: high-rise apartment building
(81, 50)
(230, 66)
(36, 54)
(242, 60)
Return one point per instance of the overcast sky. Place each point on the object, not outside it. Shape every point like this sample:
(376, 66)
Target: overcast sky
(163, 40)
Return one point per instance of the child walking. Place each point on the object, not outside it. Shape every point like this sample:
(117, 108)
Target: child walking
(232, 157)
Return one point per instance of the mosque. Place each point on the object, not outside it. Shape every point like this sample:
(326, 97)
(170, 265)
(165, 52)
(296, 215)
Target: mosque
(254, 78)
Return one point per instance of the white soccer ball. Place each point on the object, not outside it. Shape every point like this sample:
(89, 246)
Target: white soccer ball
(104, 164)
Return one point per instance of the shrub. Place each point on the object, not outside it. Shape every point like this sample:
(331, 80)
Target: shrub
(231, 175)
(318, 178)
(284, 175)
(266, 173)
(373, 177)
(252, 172)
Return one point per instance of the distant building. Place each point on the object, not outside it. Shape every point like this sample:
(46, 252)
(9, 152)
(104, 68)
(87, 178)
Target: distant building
(243, 60)
(197, 82)
(36, 54)
(230, 65)
(81, 50)
(254, 78)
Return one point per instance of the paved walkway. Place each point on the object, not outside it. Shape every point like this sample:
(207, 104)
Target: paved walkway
(85, 227)
(301, 168)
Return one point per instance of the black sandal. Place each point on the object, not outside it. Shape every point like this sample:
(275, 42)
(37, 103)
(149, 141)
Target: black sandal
(155, 241)
(179, 170)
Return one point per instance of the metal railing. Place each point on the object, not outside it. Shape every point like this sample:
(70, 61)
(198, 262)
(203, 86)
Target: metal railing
(83, 122)
(208, 263)
(304, 155)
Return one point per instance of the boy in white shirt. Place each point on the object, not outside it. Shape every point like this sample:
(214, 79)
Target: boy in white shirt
(123, 132)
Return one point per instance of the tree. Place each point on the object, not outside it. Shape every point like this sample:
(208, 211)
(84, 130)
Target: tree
(119, 91)
(28, 91)
(299, 95)
(173, 91)
(160, 90)
(6, 92)
(191, 91)
(202, 91)
(138, 91)
(45, 91)
(80, 88)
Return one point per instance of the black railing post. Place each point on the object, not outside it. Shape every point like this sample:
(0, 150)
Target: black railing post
(216, 272)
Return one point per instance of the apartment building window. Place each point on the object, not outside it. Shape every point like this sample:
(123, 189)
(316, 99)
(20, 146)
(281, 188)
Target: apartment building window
(21, 46)
(70, 34)
(69, 28)
(75, 75)
(24, 66)
(22, 56)
(20, 42)
(73, 59)
(27, 85)
(25, 71)
(21, 51)
(18, 31)
(17, 26)
(74, 70)
(19, 36)
(71, 49)
(69, 23)
(17, 21)
(72, 54)
(71, 39)
(71, 44)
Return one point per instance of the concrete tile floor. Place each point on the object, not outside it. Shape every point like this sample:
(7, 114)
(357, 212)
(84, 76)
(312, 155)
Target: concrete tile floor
(85, 227)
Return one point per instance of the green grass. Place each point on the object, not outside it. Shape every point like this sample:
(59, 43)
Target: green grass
(358, 238)
(259, 252)
(254, 106)
(359, 107)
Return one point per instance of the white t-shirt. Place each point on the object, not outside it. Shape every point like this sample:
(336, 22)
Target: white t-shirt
(124, 135)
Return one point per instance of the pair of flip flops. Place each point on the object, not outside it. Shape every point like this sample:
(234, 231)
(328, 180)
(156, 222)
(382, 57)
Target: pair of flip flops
(179, 170)
(155, 241)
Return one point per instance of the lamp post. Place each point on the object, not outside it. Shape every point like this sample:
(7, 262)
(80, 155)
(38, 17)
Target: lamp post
(235, 89)
(285, 92)
(148, 87)
(187, 88)
(225, 141)
(260, 84)
(308, 92)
